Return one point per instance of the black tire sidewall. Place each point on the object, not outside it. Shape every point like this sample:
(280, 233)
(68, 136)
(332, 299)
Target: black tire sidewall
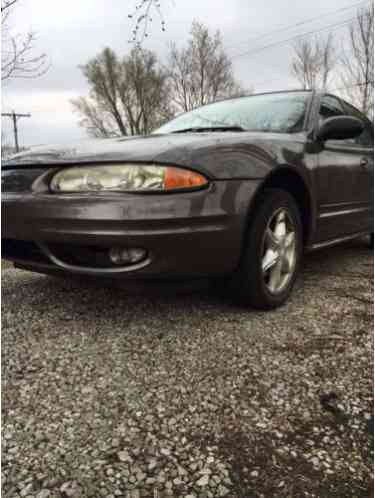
(254, 289)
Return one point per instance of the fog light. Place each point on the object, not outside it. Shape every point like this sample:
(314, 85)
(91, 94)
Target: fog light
(122, 255)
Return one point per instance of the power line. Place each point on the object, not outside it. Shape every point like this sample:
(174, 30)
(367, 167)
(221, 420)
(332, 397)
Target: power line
(303, 35)
(333, 27)
(15, 116)
(301, 23)
(336, 26)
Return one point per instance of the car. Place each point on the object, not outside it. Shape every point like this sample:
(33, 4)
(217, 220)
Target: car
(235, 191)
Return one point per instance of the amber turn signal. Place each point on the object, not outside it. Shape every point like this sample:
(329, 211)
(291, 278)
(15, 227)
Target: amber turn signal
(176, 178)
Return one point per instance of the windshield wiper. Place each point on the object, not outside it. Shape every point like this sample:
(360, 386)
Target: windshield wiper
(210, 128)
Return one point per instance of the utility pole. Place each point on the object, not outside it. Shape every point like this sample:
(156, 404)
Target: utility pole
(14, 117)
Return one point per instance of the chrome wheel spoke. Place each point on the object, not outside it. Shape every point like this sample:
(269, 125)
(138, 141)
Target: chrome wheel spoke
(280, 229)
(279, 251)
(271, 240)
(275, 276)
(290, 240)
(287, 264)
(269, 260)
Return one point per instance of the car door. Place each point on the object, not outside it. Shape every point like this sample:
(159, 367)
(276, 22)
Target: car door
(365, 147)
(342, 180)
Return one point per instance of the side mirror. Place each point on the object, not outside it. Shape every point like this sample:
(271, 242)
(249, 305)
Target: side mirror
(340, 128)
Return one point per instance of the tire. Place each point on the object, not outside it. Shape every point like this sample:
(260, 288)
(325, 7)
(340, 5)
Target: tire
(253, 284)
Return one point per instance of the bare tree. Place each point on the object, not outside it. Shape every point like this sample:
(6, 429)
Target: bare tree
(128, 96)
(357, 62)
(313, 63)
(201, 72)
(18, 58)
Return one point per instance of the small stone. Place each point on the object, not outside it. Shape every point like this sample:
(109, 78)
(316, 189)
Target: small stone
(161, 478)
(254, 473)
(203, 481)
(44, 493)
(261, 425)
(222, 491)
(205, 471)
(26, 490)
(124, 456)
(181, 471)
(71, 489)
(140, 476)
(165, 451)
(136, 451)
(216, 479)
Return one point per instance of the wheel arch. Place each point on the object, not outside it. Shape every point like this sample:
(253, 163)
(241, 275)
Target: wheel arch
(288, 179)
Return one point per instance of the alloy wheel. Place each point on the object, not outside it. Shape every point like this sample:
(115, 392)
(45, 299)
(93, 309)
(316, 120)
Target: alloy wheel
(279, 251)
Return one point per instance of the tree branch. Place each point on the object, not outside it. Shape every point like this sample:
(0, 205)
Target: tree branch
(142, 17)
(17, 56)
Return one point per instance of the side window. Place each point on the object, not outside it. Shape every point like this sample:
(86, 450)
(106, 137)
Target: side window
(330, 107)
(366, 139)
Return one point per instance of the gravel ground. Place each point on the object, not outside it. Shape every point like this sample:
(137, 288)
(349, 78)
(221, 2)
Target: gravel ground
(108, 392)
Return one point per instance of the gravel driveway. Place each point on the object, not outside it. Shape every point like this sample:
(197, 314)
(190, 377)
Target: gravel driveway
(108, 392)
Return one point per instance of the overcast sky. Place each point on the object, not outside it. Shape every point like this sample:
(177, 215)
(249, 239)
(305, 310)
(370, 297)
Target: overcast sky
(72, 31)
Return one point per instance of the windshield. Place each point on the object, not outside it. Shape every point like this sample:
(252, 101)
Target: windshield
(277, 112)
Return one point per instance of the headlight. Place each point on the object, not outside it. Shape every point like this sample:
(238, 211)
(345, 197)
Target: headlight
(127, 177)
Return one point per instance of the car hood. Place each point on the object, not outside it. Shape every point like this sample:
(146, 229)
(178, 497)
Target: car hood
(219, 155)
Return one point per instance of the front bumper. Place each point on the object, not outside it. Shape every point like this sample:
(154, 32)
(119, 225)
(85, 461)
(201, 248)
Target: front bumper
(186, 234)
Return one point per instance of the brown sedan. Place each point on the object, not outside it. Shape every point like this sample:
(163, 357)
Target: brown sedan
(234, 190)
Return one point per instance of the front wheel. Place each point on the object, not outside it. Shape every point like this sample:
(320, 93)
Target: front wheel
(272, 254)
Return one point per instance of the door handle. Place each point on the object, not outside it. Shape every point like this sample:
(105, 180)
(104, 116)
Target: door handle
(364, 162)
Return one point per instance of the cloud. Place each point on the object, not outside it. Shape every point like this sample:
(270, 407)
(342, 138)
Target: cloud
(51, 121)
(72, 31)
